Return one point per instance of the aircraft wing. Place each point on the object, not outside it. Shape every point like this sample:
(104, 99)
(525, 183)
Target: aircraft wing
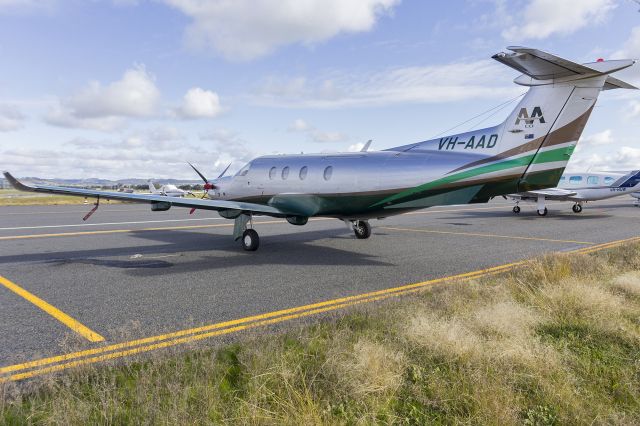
(549, 193)
(205, 204)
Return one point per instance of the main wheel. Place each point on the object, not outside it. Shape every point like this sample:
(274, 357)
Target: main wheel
(362, 229)
(577, 208)
(516, 209)
(542, 212)
(250, 240)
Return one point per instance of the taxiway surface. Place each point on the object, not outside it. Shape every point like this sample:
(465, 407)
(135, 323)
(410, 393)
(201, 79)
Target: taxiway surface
(129, 273)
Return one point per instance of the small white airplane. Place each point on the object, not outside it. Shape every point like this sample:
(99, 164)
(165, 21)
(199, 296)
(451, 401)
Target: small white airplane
(167, 190)
(636, 195)
(581, 188)
(528, 151)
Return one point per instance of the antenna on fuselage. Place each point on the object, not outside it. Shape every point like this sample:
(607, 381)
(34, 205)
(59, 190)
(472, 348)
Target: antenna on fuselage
(366, 146)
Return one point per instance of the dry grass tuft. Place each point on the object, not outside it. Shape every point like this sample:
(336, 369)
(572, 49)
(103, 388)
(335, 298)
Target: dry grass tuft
(628, 283)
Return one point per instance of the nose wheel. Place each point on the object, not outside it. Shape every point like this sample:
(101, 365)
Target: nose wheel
(516, 209)
(542, 212)
(577, 208)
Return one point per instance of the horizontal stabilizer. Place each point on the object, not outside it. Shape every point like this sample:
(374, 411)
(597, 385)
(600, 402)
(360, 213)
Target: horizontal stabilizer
(614, 83)
(539, 65)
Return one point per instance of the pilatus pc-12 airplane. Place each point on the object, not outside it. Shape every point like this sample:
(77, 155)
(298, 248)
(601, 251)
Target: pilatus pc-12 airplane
(527, 152)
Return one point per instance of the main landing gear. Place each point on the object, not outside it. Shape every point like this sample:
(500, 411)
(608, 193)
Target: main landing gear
(361, 229)
(577, 208)
(543, 212)
(243, 231)
(516, 209)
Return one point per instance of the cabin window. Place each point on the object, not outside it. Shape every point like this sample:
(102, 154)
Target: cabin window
(593, 180)
(243, 171)
(328, 171)
(608, 180)
(575, 180)
(303, 172)
(285, 173)
(272, 173)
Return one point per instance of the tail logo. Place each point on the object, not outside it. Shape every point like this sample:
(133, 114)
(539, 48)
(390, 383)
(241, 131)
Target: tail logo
(536, 114)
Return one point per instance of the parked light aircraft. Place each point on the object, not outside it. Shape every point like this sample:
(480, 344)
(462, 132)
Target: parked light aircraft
(527, 152)
(636, 195)
(581, 188)
(167, 190)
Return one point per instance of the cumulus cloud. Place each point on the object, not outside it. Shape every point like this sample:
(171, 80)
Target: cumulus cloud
(623, 158)
(199, 103)
(247, 29)
(482, 79)
(634, 109)
(543, 18)
(316, 135)
(10, 118)
(103, 107)
(602, 138)
(155, 152)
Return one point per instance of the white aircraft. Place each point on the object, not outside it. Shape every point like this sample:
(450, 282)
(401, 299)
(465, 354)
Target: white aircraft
(581, 188)
(636, 195)
(167, 190)
(526, 152)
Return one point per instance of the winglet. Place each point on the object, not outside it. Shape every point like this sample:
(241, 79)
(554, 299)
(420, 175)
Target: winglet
(366, 146)
(16, 183)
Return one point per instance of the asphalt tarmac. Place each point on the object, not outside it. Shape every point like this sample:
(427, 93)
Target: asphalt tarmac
(127, 274)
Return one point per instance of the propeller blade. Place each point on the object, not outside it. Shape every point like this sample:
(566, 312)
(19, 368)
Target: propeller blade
(192, 210)
(224, 171)
(199, 174)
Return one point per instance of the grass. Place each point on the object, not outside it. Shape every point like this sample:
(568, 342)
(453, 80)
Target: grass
(11, 197)
(554, 342)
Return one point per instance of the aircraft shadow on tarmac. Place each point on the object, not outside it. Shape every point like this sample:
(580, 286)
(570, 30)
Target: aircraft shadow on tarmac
(216, 252)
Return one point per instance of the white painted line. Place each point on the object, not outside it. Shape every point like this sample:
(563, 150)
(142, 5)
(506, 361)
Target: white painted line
(109, 223)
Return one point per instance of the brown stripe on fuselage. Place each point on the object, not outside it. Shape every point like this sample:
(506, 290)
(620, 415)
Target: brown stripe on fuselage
(566, 133)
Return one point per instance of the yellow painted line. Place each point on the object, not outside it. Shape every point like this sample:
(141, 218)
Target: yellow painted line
(326, 305)
(176, 228)
(43, 366)
(74, 325)
(121, 231)
(474, 234)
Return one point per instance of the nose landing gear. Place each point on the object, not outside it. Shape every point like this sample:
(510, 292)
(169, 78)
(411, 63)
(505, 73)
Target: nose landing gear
(246, 234)
(577, 208)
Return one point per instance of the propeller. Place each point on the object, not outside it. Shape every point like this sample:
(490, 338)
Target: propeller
(207, 184)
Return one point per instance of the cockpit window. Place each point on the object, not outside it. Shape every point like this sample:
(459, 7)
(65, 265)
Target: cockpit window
(243, 171)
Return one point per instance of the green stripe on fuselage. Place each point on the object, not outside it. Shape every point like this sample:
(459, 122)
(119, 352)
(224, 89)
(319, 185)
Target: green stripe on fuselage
(559, 154)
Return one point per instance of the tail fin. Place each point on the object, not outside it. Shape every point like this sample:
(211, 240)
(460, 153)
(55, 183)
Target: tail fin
(152, 187)
(555, 110)
(531, 148)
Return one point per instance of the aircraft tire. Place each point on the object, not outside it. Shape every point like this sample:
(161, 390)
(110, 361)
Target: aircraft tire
(577, 208)
(516, 209)
(250, 240)
(543, 212)
(362, 229)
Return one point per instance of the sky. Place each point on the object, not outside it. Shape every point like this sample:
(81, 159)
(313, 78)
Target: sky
(136, 88)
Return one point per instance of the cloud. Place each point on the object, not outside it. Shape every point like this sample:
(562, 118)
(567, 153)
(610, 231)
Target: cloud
(316, 135)
(482, 79)
(247, 29)
(155, 152)
(624, 158)
(602, 138)
(10, 118)
(634, 109)
(104, 107)
(357, 147)
(199, 103)
(543, 18)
